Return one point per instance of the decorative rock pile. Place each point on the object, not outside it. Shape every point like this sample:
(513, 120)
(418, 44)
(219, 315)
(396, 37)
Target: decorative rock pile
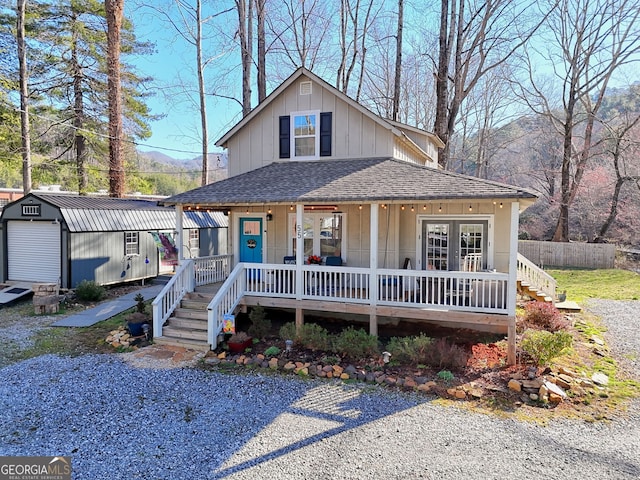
(46, 300)
(553, 387)
(319, 370)
(120, 338)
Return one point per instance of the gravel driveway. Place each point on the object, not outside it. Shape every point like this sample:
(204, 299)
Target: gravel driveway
(117, 421)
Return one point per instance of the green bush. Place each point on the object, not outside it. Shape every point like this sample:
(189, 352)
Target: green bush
(410, 349)
(444, 354)
(544, 346)
(288, 332)
(314, 336)
(356, 343)
(260, 325)
(272, 351)
(544, 315)
(90, 291)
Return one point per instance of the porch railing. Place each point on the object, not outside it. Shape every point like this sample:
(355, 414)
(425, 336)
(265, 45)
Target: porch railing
(536, 277)
(225, 302)
(169, 297)
(212, 269)
(191, 273)
(464, 291)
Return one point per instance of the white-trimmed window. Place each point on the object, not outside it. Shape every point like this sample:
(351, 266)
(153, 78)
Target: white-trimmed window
(322, 234)
(194, 242)
(131, 243)
(305, 135)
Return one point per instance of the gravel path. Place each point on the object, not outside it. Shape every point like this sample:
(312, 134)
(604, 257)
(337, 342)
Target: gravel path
(118, 421)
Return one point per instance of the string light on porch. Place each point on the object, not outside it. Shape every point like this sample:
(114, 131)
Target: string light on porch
(359, 207)
(412, 208)
(440, 208)
(402, 207)
(470, 208)
(424, 207)
(500, 204)
(291, 208)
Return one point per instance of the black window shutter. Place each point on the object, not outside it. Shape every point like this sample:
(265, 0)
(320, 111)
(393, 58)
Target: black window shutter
(325, 134)
(285, 142)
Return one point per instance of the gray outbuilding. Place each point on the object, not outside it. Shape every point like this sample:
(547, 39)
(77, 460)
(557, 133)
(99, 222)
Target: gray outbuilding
(69, 238)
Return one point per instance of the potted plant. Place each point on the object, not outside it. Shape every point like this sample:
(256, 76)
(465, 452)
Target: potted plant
(239, 342)
(137, 320)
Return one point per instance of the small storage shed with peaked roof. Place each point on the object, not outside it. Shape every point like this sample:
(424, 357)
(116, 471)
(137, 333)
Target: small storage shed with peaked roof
(69, 238)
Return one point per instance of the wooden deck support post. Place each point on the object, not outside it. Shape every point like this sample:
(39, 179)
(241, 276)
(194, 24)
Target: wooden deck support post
(511, 341)
(299, 319)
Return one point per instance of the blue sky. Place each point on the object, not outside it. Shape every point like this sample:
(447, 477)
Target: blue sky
(177, 133)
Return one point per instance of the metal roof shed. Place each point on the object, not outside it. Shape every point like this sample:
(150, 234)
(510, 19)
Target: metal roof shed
(70, 238)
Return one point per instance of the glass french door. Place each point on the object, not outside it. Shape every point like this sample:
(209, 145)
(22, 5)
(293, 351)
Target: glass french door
(445, 243)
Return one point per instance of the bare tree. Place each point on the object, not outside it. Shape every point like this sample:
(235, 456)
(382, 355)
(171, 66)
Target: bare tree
(589, 41)
(621, 148)
(262, 50)
(398, 70)
(474, 38)
(24, 97)
(114, 10)
(245, 38)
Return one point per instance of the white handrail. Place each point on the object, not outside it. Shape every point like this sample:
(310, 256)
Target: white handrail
(225, 302)
(212, 269)
(536, 277)
(170, 296)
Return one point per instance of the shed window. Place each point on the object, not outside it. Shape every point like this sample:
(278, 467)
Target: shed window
(31, 210)
(131, 243)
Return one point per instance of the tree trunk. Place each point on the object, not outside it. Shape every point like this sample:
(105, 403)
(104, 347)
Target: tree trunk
(24, 97)
(78, 120)
(396, 83)
(244, 36)
(262, 51)
(561, 233)
(114, 10)
(203, 100)
(442, 82)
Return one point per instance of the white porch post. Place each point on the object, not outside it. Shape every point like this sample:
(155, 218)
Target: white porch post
(299, 261)
(178, 238)
(511, 284)
(373, 269)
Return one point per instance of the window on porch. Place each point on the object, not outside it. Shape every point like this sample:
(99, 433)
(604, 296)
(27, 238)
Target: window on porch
(321, 234)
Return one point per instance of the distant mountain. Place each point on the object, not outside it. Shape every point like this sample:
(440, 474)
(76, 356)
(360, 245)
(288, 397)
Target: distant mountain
(216, 160)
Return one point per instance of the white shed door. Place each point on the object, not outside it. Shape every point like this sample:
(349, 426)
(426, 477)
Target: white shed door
(33, 251)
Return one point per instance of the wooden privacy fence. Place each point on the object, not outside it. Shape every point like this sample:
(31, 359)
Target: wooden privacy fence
(560, 254)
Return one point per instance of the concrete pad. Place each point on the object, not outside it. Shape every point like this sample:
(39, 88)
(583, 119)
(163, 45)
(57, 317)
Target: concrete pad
(108, 309)
(568, 306)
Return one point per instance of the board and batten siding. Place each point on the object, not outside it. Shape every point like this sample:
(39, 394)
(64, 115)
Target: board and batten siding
(100, 256)
(354, 134)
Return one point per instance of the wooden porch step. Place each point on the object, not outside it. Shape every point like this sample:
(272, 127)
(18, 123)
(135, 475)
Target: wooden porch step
(199, 314)
(194, 304)
(184, 333)
(186, 323)
(209, 289)
(182, 342)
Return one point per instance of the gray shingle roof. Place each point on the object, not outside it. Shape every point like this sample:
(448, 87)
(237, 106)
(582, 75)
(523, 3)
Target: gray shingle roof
(359, 180)
(105, 214)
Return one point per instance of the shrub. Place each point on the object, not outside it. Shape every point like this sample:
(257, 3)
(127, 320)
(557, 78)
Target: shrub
(260, 325)
(410, 349)
(446, 376)
(544, 346)
(314, 336)
(288, 332)
(544, 315)
(272, 351)
(141, 307)
(356, 343)
(444, 354)
(90, 291)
